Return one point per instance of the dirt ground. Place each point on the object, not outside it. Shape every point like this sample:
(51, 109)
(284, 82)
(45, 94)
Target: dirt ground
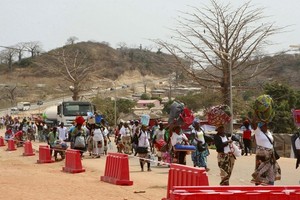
(22, 178)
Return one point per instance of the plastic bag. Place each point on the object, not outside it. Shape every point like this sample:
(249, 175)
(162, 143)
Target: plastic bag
(110, 145)
(79, 142)
(237, 152)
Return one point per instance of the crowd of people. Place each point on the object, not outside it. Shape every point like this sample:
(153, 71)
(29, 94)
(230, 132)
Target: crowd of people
(134, 138)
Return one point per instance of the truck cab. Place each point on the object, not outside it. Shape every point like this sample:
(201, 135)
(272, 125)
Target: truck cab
(67, 111)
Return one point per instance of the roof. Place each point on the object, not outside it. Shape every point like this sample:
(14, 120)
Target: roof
(147, 101)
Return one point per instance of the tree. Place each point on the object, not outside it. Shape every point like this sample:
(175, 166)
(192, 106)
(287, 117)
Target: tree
(285, 99)
(125, 105)
(218, 42)
(198, 101)
(20, 47)
(106, 108)
(34, 48)
(10, 93)
(8, 56)
(145, 96)
(72, 65)
(150, 105)
(71, 40)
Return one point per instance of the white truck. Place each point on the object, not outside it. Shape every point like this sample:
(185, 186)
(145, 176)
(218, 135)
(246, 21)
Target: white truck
(67, 111)
(22, 106)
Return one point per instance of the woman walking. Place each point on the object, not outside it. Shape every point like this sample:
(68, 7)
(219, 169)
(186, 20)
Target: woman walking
(97, 142)
(199, 156)
(247, 138)
(225, 157)
(267, 170)
(143, 148)
(78, 135)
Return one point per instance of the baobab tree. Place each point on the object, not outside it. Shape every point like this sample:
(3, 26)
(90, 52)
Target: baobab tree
(71, 40)
(34, 48)
(215, 45)
(72, 65)
(8, 55)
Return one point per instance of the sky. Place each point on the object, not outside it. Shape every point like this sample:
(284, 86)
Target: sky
(133, 22)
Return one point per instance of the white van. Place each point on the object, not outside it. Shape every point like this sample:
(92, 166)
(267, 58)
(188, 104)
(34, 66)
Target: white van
(14, 110)
(23, 106)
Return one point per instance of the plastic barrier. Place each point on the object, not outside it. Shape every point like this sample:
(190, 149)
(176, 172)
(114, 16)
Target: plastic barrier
(11, 145)
(181, 175)
(236, 192)
(117, 169)
(44, 154)
(2, 141)
(296, 116)
(28, 149)
(73, 162)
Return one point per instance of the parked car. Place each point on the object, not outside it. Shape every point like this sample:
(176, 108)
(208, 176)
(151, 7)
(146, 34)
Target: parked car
(40, 103)
(14, 110)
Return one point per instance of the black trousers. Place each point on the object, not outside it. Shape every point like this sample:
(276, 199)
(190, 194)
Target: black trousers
(247, 146)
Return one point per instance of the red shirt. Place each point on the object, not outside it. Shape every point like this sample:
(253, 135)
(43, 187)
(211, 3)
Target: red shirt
(247, 134)
(18, 134)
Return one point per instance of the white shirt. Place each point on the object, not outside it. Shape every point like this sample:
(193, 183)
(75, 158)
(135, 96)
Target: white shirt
(143, 139)
(297, 143)
(262, 140)
(125, 131)
(105, 132)
(178, 138)
(160, 134)
(97, 135)
(199, 135)
(62, 133)
(226, 148)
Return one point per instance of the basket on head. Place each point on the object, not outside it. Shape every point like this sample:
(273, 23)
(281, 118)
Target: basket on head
(218, 115)
(264, 108)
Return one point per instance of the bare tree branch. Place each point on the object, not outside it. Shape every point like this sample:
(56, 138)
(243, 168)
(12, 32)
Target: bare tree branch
(212, 40)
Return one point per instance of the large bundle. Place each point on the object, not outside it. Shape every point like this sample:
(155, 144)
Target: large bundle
(218, 115)
(264, 108)
(176, 109)
(180, 115)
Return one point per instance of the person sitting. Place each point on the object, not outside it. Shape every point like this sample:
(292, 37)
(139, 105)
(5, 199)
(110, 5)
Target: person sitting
(52, 137)
(18, 137)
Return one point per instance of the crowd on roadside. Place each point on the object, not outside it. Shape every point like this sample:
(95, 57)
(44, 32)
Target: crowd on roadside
(168, 142)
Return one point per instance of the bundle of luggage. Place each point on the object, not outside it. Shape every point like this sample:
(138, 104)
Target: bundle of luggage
(180, 115)
(218, 115)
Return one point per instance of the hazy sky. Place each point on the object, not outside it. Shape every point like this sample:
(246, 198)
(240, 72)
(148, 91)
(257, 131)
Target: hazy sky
(134, 22)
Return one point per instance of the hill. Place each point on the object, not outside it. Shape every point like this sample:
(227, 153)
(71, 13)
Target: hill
(31, 79)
